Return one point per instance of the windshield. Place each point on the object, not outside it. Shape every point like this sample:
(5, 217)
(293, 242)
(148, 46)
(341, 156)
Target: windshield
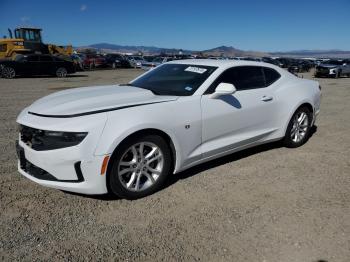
(333, 62)
(158, 59)
(174, 79)
(137, 58)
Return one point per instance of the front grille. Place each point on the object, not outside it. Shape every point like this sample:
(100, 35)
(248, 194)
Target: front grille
(323, 69)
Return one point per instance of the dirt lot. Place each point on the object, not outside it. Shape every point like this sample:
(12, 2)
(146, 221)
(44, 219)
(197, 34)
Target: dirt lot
(265, 204)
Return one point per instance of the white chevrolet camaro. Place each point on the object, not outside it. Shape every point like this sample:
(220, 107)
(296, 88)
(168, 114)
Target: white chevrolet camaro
(127, 139)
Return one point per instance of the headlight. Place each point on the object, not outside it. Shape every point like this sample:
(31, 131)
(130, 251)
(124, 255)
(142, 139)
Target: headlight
(332, 71)
(48, 140)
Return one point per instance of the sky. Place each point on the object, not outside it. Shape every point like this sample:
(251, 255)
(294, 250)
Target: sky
(260, 25)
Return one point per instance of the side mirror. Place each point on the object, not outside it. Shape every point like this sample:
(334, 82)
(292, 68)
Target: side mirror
(223, 89)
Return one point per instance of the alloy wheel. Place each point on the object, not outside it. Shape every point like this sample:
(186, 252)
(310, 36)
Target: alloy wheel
(300, 127)
(61, 72)
(9, 72)
(140, 166)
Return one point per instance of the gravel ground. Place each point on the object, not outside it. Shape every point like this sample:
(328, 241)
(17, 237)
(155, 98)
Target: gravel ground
(264, 204)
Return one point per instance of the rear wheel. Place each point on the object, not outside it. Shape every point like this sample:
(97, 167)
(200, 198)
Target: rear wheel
(8, 72)
(140, 167)
(61, 72)
(298, 129)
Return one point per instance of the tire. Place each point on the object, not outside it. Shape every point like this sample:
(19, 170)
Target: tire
(61, 72)
(298, 131)
(134, 175)
(8, 72)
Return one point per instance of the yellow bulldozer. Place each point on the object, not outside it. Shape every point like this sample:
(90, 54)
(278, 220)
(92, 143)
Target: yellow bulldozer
(26, 40)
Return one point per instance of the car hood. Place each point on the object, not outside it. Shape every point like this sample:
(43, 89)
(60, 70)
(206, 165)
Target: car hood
(328, 66)
(91, 100)
(151, 63)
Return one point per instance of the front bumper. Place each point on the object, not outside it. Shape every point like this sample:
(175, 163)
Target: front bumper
(64, 169)
(59, 168)
(325, 72)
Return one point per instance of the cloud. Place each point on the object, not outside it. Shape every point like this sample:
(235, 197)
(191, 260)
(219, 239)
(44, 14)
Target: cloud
(25, 19)
(83, 8)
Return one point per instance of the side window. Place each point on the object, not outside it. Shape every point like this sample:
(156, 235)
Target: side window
(33, 58)
(46, 58)
(242, 77)
(249, 77)
(271, 75)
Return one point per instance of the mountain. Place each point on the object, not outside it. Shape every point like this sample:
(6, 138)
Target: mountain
(231, 51)
(314, 53)
(217, 51)
(134, 49)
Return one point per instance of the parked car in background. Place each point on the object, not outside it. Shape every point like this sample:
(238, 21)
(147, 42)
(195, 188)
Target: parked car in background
(128, 139)
(92, 61)
(333, 68)
(78, 62)
(136, 61)
(117, 61)
(33, 64)
(270, 61)
(256, 59)
(285, 62)
(156, 62)
(299, 66)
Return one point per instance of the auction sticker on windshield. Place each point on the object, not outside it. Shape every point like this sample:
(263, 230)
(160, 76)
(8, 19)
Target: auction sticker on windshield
(195, 69)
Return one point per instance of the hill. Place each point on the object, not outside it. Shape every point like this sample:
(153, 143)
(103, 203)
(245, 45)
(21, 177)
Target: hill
(217, 51)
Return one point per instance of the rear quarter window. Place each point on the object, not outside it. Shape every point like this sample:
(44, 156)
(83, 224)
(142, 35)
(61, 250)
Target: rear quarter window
(271, 75)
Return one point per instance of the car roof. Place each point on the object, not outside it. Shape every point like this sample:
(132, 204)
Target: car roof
(222, 63)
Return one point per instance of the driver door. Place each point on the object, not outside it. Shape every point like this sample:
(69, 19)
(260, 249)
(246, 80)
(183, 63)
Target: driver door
(233, 121)
(30, 65)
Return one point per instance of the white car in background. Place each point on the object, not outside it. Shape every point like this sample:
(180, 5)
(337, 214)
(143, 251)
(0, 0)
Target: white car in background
(127, 139)
(136, 61)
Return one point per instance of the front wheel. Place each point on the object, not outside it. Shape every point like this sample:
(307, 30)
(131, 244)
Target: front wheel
(140, 167)
(8, 72)
(61, 72)
(298, 129)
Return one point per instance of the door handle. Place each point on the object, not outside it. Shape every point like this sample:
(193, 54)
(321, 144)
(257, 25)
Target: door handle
(267, 98)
